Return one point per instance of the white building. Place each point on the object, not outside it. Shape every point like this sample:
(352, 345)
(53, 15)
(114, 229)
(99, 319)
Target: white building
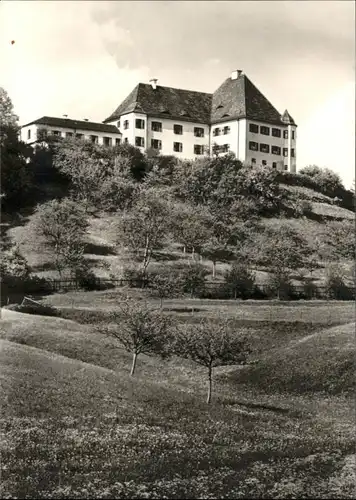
(99, 133)
(236, 117)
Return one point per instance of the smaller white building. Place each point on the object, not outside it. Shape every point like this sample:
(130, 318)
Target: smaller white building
(98, 133)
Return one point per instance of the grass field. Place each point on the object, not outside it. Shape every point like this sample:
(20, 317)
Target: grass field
(75, 424)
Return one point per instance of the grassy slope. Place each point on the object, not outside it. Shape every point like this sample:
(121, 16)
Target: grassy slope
(82, 428)
(103, 256)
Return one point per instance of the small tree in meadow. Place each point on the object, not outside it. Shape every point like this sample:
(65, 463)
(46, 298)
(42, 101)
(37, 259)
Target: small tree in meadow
(166, 286)
(139, 329)
(193, 278)
(211, 344)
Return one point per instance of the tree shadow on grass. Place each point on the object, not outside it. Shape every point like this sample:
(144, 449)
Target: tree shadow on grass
(95, 249)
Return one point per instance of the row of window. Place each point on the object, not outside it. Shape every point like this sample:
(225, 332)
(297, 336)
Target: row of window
(157, 127)
(265, 148)
(223, 148)
(223, 131)
(107, 141)
(199, 132)
(264, 163)
(276, 132)
(177, 146)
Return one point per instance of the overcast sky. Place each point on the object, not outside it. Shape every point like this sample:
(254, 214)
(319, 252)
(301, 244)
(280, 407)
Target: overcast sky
(83, 58)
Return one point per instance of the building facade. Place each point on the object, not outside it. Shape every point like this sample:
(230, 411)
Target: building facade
(98, 133)
(236, 118)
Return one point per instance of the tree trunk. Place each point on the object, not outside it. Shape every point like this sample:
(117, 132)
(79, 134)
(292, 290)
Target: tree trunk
(133, 366)
(208, 399)
(184, 250)
(193, 253)
(214, 269)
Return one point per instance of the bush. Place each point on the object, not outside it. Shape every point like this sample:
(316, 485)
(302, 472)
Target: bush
(193, 279)
(280, 287)
(310, 290)
(240, 281)
(87, 280)
(336, 288)
(134, 277)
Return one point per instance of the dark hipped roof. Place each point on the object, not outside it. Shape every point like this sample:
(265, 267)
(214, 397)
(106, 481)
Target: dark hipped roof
(234, 99)
(75, 124)
(240, 98)
(166, 102)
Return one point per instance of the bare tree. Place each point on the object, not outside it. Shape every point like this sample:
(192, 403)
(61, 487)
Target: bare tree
(210, 344)
(139, 329)
(166, 286)
(145, 226)
(60, 226)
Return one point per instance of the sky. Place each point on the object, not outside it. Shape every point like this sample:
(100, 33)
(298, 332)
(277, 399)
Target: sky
(83, 58)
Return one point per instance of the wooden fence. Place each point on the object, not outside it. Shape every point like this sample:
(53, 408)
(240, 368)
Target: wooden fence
(212, 287)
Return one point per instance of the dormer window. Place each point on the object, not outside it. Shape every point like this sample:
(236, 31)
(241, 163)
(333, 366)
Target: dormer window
(219, 106)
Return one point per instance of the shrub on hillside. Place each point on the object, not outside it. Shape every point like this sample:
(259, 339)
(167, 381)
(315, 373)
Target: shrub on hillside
(240, 280)
(328, 180)
(336, 287)
(310, 290)
(279, 286)
(86, 279)
(302, 180)
(134, 277)
(193, 279)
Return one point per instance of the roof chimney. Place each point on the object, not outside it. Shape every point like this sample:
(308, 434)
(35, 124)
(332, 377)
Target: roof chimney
(65, 116)
(86, 119)
(235, 74)
(153, 82)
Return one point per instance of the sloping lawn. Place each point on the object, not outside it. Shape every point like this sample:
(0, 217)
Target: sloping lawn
(76, 430)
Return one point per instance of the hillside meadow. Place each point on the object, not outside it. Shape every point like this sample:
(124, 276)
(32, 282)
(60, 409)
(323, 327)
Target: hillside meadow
(76, 425)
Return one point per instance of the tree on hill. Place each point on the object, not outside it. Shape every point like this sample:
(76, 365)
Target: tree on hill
(282, 250)
(100, 177)
(240, 279)
(328, 180)
(190, 226)
(139, 329)
(211, 344)
(16, 179)
(60, 226)
(145, 226)
(207, 181)
(340, 238)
